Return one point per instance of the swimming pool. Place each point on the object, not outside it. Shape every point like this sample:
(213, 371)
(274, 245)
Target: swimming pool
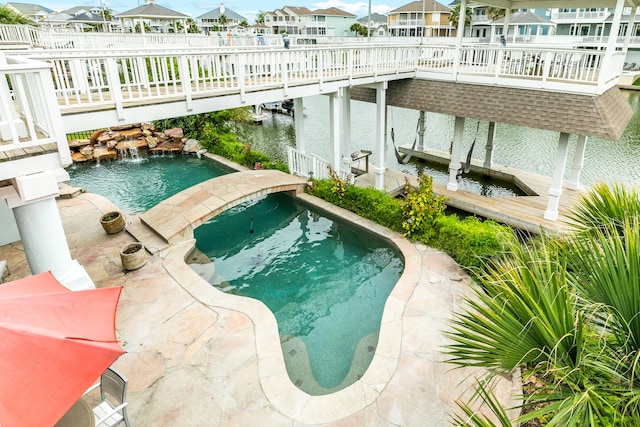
(325, 281)
(136, 185)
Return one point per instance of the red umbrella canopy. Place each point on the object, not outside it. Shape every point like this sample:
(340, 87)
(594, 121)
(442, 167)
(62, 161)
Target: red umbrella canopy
(54, 343)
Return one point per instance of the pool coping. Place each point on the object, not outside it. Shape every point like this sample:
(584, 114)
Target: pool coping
(274, 380)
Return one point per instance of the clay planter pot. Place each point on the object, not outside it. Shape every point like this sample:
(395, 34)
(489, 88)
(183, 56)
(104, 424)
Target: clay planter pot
(133, 256)
(112, 222)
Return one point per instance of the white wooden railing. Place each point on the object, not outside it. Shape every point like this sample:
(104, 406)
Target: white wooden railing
(312, 166)
(30, 120)
(115, 79)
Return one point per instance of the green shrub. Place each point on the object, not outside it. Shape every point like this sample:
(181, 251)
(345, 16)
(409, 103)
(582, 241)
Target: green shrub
(369, 203)
(421, 208)
(470, 241)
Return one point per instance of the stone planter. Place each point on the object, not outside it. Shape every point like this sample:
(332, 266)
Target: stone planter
(133, 256)
(112, 222)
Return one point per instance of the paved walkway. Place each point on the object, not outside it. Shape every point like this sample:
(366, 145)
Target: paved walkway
(197, 357)
(175, 218)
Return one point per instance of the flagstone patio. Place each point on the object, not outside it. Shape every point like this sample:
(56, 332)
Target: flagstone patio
(197, 357)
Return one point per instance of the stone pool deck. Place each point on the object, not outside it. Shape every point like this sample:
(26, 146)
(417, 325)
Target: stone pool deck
(198, 357)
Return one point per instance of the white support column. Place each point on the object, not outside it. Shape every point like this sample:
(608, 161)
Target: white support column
(381, 120)
(613, 37)
(334, 130)
(346, 128)
(505, 25)
(454, 163)
(488, 148)
(298, 119)
(421, 127)
(459, 34)
(630, 26)
(578, 163)
(558, 174)
(45, 244)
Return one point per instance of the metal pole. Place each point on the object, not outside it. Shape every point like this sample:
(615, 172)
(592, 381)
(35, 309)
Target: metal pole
(423, 21)
(369, 23)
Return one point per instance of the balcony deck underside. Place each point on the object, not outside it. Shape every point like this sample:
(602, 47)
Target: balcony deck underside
(603, 116)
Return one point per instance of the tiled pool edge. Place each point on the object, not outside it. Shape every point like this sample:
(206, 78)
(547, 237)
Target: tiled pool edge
(274, 380)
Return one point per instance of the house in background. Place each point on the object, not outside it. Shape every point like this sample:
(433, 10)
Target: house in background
(377, 24)
(289, 20)
(523, 24)
(426, 18)
(158, 19)
(34, 12)
(331, 22)
(210, 22)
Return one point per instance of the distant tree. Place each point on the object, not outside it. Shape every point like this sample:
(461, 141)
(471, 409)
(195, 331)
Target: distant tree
(455, 14)
(359, 29)
(192, 26)
(223, 21)
(106, 13)
(495, 13)
(243, 24)
(8, 16)
(147, 28)
(260, 17)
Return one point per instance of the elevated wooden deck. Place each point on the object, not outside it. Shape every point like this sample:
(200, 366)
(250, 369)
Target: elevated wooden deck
(523, 212)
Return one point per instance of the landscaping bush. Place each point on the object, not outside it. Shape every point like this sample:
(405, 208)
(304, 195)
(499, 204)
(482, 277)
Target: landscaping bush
(217, 133)
(468, 241)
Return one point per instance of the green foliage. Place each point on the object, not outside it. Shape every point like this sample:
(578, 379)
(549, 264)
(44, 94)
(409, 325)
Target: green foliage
(471, 241)
(359, 29)
(217, 133)
(454, 18)
(566, 310)
(421, 208)
(369, 203)
(605, 204)
(8, 16)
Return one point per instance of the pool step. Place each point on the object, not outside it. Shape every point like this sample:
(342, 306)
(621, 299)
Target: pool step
(143, 234)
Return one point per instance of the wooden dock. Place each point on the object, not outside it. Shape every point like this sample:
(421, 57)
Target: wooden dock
(523, 212)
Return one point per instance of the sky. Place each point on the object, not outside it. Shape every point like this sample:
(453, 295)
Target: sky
(247, 8)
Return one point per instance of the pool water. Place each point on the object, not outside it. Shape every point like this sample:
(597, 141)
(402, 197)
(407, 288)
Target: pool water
(325, 281)
(135, 185)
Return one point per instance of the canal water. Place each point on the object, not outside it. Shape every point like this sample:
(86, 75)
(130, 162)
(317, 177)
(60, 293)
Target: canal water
(522, 148)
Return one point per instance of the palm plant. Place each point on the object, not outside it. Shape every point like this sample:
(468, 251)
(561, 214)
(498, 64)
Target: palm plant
(9, 16)
(567, 311)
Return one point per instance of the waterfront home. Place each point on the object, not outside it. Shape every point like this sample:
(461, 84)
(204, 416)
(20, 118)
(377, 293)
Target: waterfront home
(421, 18)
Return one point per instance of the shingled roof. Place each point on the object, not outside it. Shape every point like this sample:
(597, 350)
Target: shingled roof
(417, 6)
(151, 10)
(332, 11)
(603, 116)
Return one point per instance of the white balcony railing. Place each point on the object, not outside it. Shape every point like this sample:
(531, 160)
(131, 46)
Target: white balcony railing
(312, 166)
(31, 128)
(583, 15)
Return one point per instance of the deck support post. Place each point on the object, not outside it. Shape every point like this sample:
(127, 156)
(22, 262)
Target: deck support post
(44, 241)
(627, 35)
(334, 130)
(488, 148)
(459, 36)
(346, 129)
(456, 152)
(298, 119)
(381, 120)
(558, 174)
(421, 128)
(578, 162)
